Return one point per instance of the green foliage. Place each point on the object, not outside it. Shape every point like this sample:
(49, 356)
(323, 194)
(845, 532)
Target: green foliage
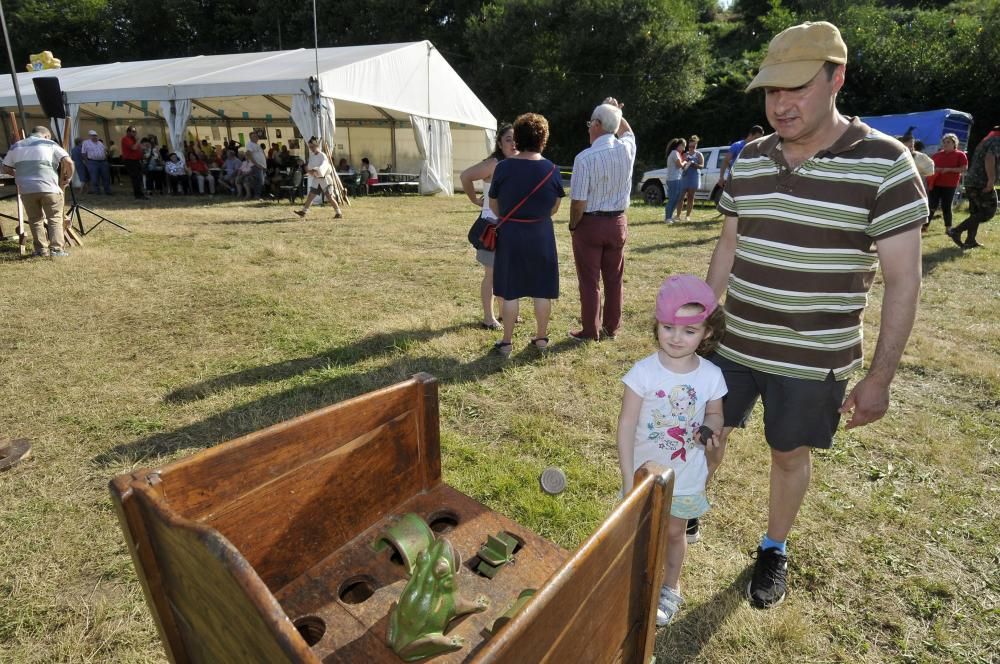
(561, 58)
(680, 66)
(68, 28)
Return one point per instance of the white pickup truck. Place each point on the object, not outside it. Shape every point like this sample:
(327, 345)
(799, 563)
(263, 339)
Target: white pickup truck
(653, 184)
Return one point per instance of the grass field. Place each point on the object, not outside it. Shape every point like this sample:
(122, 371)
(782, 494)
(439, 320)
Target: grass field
(210, 321)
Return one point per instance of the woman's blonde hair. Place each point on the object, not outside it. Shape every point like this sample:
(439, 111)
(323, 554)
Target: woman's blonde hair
(950, 137)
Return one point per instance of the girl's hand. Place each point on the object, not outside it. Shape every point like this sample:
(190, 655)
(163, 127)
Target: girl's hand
(707, 436)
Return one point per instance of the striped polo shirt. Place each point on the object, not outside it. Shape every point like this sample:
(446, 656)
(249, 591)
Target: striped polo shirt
(805, 251)
(602, 174)
(35, 161)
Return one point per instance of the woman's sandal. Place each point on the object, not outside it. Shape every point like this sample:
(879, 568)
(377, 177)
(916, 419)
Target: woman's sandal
(491, 326)
(544, 341)
(504, 348)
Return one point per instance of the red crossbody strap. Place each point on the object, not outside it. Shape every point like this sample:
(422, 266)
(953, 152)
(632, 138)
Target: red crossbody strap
(523, 200)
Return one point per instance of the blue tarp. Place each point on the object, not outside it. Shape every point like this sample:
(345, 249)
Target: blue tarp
(927, 126)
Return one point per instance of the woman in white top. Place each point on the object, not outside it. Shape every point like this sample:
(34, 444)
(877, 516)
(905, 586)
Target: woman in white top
(320, 172)
(369, 171)
(503, 148)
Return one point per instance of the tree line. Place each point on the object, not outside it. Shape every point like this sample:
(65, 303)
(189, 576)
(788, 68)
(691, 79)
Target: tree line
(680, 66)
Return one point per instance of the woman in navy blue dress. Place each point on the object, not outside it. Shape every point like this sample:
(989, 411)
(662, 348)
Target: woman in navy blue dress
(526, 264)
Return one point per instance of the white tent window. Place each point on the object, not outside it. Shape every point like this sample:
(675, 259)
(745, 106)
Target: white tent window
(433, 139)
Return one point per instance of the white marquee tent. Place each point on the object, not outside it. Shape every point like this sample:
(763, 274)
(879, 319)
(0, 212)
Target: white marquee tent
(378, 92)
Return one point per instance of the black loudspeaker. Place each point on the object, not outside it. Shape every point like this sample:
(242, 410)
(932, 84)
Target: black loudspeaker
(50, 96)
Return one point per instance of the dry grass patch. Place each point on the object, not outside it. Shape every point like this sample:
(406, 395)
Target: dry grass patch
(212, 320)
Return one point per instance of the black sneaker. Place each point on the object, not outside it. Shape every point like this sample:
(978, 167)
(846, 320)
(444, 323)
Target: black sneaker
(956, 237)
(767, 586)
(693, 534)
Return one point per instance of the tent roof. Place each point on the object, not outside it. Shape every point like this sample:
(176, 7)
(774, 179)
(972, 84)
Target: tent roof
(380, 81)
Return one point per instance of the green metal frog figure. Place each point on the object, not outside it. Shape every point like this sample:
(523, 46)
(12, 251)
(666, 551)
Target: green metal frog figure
(417, 623)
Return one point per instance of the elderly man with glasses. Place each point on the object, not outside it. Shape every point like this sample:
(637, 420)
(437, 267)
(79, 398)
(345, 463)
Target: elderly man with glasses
(599, 191)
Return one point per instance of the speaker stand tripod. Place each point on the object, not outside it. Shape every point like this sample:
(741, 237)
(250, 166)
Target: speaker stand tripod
(75, 209)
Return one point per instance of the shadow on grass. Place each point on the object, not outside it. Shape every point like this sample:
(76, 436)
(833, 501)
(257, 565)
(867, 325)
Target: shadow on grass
(318, 390)
(675, 245)
(685, 638)
(944, 255)
(378, 344)
(251, 222)
(713, 222)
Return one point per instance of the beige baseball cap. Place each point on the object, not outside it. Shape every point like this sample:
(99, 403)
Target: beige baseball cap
(796, 54)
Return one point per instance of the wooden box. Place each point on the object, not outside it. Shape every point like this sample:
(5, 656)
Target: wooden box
(260, 549)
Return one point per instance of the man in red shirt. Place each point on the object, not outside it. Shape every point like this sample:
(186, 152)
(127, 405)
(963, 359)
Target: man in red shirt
(132, 157)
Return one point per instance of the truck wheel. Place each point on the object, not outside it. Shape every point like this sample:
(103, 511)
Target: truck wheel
(652, 193)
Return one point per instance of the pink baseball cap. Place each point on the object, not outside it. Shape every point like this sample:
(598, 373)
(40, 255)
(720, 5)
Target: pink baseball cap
(682, 289)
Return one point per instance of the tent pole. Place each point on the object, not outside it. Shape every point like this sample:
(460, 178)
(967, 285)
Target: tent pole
(13, 71)
(7, 131)
(395, 166)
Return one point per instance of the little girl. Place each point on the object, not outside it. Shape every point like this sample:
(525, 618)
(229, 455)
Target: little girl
(669, 396)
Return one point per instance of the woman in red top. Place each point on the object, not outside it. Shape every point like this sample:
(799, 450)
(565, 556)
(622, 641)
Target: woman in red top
(949, 164)
(200, 174)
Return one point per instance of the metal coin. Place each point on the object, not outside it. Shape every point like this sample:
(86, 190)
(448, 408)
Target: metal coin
(553, 481)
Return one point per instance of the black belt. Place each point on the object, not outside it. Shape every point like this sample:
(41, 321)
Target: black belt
(88, 159)
(605, 213)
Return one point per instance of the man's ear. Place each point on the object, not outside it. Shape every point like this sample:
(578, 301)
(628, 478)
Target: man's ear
(839, 76)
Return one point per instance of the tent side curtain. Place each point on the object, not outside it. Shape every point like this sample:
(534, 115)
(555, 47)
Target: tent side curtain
(59, 124)
(433, 138)
(176, 112)
(312, 121)
(491, 140)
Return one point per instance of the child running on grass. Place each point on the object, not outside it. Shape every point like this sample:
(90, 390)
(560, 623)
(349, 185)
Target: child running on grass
(669, 396)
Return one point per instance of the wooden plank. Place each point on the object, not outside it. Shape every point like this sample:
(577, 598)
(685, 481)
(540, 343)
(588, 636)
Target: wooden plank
(286, 526)
(223, 612)
(71, 236)
(132, 521)
(22, 236)
(199, 484)
(602, 592)
(430, 431)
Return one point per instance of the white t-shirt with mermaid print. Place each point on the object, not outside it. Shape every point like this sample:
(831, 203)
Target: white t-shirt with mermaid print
(673, 407)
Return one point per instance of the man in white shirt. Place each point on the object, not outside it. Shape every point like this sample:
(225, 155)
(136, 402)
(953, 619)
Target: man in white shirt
(41, 169)
(96, 154)
(599, 192)
(255, 153)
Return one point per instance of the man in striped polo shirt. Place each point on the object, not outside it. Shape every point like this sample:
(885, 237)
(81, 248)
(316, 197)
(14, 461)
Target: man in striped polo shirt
(41, 169)
(811, 211)
(599, 191)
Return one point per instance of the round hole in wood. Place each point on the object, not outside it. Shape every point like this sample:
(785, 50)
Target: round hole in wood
(443, 521)
(311, 628)
(357, 589)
